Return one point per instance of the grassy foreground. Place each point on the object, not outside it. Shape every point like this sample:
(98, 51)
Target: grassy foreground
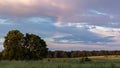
(97, 62)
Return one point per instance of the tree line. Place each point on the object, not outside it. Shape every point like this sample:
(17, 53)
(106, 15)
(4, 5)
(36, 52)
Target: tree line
(75, 54)
(19, 46)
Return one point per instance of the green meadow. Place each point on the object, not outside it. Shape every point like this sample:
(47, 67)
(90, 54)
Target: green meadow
(97, 62)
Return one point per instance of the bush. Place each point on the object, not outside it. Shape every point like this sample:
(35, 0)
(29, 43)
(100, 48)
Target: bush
(85, 59)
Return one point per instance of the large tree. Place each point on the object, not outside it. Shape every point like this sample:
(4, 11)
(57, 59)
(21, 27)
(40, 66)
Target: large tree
(35, 46)
(19, 47)
(13, 45)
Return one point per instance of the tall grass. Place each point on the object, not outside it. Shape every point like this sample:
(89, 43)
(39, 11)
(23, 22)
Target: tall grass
(62, 63)
(37, 64)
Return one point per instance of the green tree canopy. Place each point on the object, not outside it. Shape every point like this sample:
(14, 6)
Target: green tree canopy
(19, 47)
(35, 46)
(13, 48)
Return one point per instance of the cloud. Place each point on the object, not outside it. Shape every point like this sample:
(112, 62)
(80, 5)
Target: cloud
(1, 47)
(5, 22)
(1, 40)
(34, 7)
(103, 32)
(55, 36)
(112, 33)
(1, 44)
(40, 20)
(95, 12)
(67, 22)
(106, 31)
(82, 33)
(69, 47)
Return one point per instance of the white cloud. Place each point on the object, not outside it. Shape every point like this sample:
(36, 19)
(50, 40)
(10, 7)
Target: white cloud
(49, 39)
(69, 41)
(60, 35)
(64, 41)
(69, 47)
(5, 22)
(56, 36)
(1, 40)
(102, 31)
(1, 47)
(68, 24)
(58, 24)
(97, 12)
(102, 13)
(106, 31)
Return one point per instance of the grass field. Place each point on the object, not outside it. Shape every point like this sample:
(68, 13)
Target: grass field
(97, 62)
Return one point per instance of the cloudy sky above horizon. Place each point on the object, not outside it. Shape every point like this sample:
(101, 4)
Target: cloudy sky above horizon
(65, 24)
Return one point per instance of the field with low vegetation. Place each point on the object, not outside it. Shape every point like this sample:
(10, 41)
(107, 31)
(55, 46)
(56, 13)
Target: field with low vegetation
(96, 62)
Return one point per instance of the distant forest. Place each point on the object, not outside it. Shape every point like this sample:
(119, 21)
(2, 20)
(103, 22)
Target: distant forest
(75, 54)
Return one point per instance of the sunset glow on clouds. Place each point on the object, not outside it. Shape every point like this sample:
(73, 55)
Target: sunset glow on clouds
(65, 24)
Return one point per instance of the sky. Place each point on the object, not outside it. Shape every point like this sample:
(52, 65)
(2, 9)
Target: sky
(64, 24)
